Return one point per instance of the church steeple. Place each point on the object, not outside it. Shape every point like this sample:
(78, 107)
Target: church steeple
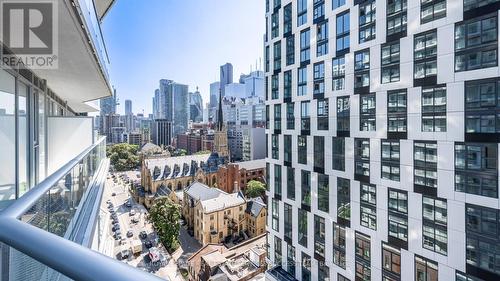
(220, 121)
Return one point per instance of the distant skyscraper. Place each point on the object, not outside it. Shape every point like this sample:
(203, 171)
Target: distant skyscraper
(108, 105)
(162, 132)
(226, 76)
(128, 107)
(214, 93)
(156, 99)
(254, 84)
(196, 106)
(165, 99)
(181, 109)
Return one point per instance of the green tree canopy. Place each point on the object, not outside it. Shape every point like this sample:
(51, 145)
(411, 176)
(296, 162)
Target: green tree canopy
(123, 156)
(255, 189)
(165, 216)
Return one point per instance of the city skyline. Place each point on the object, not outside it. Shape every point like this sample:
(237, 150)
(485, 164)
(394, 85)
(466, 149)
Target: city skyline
(238, 41)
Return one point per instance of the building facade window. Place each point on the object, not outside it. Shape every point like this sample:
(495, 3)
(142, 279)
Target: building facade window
(290, 259)
(338, 153)
(390, 62)
(305, 45)
(362, 158)
(434, 109)
(425, 165)
(302, 81)
(367, 16)
(290, 183)
(425, 55)
(305, 116)
(287, 19)
(482, 106)
(367, 112)
(396, 17)
(306, 267)
(319, 236)
(306, 188)
(390, 160)
(319, 78)
(287, 84)
(277, 117)
(337, 3)
(322, 39)
(322, 111)
(275, 215)
(342, 33)
(275, 25)
(267, 59)
(277, 180)
(290, 116)
(391, 263)
(476, 168)
(287, 221)
(277, 56)
(302, 229)
(476, 43)
(431, 10)
(301, 12)
(319, 152)
(343, 115)
(482, 226)
(302, 149)
(275, 85)
(425, 270)
(339, 245)
(368, 207)
(434, 225)
(343, 199)
(338, 73)
(397, 104)
(290, 50)
(275, 146)
(277, 251)
(363, 257)
(398, 214)
(362, 69)
(323, 193)
(318, 9)
(474, 4)
(323, 271)
(287, 148)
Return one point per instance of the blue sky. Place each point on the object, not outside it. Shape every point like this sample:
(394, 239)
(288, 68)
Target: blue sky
(183, 40)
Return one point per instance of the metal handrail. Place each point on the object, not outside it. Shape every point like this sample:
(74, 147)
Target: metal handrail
(66, 257)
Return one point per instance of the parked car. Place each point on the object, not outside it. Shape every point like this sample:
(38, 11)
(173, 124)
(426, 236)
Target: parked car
(125, 254)
(135, 220)
(128, 204)
(113, 194)
(154, 254)
(130, 233)
(131, 213)
(148, 244)
(143, 235)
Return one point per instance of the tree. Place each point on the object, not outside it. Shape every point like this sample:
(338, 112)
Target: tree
(165, 216)
(255, 189)
(123, 156)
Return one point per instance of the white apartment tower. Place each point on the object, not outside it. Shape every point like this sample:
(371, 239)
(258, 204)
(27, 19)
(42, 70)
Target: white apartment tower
(383, 124)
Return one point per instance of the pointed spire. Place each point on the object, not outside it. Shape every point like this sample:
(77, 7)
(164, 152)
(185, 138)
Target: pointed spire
(220, 122)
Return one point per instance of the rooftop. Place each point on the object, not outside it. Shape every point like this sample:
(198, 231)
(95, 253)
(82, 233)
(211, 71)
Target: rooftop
(164, 168)
(200, 191)
(255, 206)
(253, 164)
(223, 201)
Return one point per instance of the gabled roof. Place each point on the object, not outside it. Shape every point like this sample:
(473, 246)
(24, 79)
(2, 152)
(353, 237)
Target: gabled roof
(223, 201)
(200, 191)
(253, 164)
(255, 206)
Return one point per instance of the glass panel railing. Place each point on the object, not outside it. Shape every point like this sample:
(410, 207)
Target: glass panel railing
(57, 210)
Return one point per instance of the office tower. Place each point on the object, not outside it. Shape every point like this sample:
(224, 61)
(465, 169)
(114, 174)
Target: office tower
(226, 77)
(165, 100)
(214, 93)
(108, 104)
(156, 104)
(254, 84)
(128, 107)
(53, 166)
(383, 140)
(162, 132)
(196, 106)
(180, 108)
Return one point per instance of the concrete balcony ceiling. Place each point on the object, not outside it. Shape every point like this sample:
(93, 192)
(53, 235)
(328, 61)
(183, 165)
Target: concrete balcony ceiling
(80, 77)
(103, 7)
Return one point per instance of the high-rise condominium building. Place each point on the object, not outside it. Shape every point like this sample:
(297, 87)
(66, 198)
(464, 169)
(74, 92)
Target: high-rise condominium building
(128, 107)
(108, 104)
(383, 130)
(226, 77)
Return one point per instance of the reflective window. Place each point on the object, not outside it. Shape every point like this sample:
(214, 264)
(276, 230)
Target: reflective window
(425, 54)
(434, 109)
(7, 136)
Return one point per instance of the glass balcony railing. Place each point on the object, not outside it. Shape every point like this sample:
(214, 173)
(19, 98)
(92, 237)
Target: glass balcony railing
(46, 234)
